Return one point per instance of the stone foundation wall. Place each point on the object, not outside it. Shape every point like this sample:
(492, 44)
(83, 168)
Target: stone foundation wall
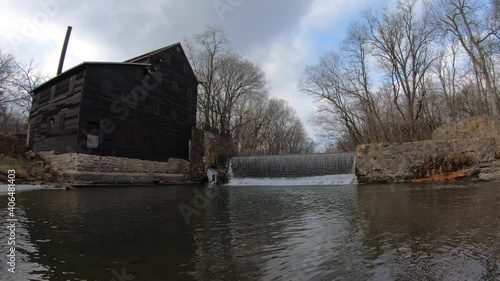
(107, 164)
(209, 150)
(85, 168)
(416, 160)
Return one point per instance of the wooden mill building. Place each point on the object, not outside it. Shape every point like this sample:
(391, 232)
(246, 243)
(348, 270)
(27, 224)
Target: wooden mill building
(143, 108)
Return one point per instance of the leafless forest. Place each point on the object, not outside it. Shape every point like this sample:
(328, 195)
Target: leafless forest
(233, 100)
(401, 73)
(396, 76)
(17, 79)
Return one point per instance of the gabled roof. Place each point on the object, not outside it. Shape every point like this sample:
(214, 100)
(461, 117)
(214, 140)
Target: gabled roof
(138, 58)
(146, 55)
(130, 62)
(85, 63)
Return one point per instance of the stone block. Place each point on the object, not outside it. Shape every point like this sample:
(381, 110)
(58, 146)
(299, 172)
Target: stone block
(408, 161)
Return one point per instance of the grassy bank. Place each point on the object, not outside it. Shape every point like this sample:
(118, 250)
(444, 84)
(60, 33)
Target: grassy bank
(32, 170)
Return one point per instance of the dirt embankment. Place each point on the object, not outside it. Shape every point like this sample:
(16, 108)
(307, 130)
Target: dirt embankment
(29, 168)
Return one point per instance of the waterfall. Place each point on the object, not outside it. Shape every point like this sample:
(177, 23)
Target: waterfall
(212, 176)
(306, 169)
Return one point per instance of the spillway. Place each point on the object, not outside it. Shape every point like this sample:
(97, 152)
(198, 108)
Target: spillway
(304, 169)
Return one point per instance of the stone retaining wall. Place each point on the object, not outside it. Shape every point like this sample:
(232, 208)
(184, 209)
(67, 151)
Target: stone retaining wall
(209, 150)
(86, 168)
(415, 160)
(107, 164)
(480, 127)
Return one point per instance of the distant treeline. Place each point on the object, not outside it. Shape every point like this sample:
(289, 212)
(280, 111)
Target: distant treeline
(233, 99)
(17, 79)
(401, 73)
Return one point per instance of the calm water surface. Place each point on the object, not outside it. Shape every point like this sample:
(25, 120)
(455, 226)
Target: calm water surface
(366, 232)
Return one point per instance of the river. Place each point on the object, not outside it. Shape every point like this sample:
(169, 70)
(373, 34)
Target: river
(353, 232)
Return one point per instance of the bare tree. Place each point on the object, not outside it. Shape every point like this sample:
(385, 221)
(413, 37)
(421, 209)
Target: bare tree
(234, 100)
(27, 78)
(434, 63)
(226, 81)
(240, 81)
(341, 99)
(402, 43)
(274, 129)
(475, 24)
(7, 73)
(446, 71)
(207, 52)
(17, 81)
(356, 48)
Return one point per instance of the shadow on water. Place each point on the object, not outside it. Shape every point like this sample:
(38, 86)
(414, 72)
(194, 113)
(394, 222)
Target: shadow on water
(433, 232)
(366, 232)
(97, 234)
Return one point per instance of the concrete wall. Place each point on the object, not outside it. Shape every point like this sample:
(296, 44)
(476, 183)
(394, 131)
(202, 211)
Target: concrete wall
(416, 160)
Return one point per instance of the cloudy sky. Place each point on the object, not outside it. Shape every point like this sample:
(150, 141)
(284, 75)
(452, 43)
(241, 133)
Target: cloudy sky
(282, 36)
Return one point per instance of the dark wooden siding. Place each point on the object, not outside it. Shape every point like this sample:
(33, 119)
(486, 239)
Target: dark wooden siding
(55, 113)
(157, 128)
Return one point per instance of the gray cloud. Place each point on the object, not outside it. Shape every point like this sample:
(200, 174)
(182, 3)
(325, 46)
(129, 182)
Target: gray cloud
(134, 27)
(280, 35)
(255, 22)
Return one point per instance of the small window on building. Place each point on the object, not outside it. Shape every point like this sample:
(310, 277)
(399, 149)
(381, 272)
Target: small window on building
(178, 49)
(92, 141)
(186, 68)
(93, 135)
(50, 124)
(62, 118)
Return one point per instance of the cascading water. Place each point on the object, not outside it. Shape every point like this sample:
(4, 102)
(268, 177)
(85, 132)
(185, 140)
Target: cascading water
(306, 169)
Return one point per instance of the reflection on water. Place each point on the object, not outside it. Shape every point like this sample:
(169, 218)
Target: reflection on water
(367, 232)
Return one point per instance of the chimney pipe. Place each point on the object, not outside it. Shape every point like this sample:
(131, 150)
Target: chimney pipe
(63, 52)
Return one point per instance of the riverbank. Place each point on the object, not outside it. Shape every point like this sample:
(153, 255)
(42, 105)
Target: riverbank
(29, 168)
(34, 171)
(24, 187)
(464, 150)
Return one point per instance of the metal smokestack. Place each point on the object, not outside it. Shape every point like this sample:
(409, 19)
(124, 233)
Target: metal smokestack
(63, 52)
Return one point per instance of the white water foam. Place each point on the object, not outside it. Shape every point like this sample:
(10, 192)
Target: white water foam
(20, 187)
(343, 179)
(212, 176)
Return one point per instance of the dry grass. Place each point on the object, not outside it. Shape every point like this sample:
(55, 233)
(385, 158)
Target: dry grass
(12, 157)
